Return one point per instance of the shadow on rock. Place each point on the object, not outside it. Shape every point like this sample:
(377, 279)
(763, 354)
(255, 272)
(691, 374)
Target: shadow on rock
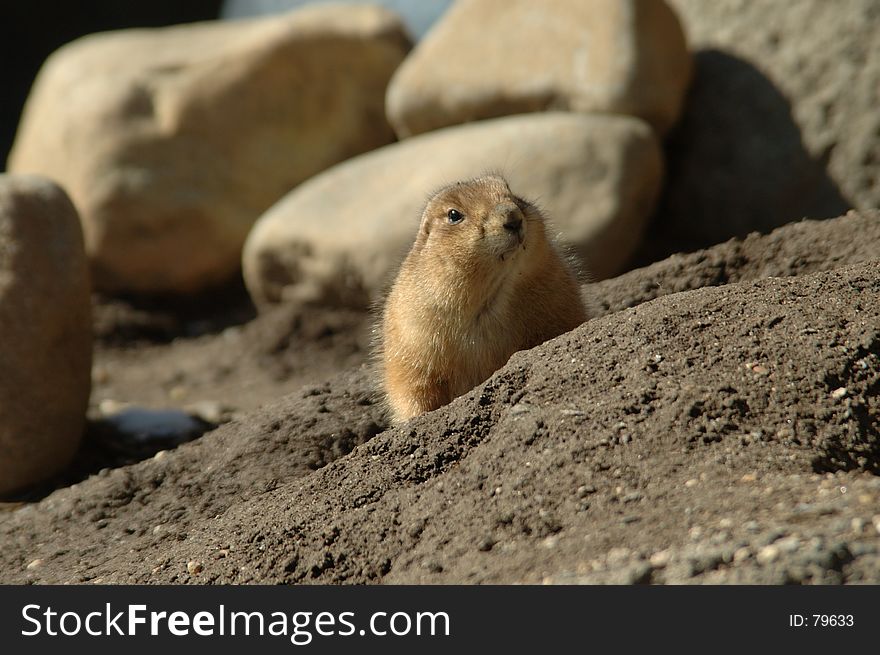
(736, 163)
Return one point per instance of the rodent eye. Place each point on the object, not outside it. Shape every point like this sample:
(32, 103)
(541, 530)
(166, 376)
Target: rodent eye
(454, 216)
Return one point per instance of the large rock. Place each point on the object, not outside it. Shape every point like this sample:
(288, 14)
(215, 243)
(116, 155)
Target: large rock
(782, 121)
(173, 141)
(336, 239)
(489, 58)
(45, 323)
(24, 28)
(824, 57)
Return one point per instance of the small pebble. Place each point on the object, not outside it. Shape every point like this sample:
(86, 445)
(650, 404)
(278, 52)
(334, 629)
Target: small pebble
(210, 411)
(660, 558)
(788, 544)
(768, 554)
(194, 567)
(839, 393)
(741, 554)
(550, 542)
(693, 482)
(585, 490)
(34, 564)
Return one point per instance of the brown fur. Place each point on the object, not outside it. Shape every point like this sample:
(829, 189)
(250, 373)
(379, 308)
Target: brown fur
(468, 296)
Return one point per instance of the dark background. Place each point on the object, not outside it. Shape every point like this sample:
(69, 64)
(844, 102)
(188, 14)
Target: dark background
(30, 30)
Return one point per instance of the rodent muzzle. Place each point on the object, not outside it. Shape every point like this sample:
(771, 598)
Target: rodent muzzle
(507, 229)
(513, 225)
(511, 219)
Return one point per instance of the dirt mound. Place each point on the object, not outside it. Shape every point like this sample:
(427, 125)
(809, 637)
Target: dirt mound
(714, 435)
(794, 249)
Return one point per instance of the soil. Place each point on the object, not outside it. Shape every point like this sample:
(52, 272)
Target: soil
(718, 421)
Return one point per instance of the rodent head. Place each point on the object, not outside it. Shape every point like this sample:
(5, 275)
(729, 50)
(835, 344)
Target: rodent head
(478, 225)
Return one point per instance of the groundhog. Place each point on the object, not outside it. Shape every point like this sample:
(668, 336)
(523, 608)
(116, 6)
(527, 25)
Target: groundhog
(481, 281)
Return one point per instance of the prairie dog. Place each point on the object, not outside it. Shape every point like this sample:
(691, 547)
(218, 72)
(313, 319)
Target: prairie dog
(481, 281)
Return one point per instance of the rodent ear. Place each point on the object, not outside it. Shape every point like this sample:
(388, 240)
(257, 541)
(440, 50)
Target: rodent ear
(422, 236)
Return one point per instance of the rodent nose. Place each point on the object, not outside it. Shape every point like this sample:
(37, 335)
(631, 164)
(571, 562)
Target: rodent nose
(512, 218)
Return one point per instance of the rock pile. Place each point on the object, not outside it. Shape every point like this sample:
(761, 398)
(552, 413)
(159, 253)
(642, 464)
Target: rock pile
(588, 82)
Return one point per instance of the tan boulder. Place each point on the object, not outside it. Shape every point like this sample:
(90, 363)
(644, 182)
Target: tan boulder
(173, 141)
(337, 238)
(45, 331)
(488, 58)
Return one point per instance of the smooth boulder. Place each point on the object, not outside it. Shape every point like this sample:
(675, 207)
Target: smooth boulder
(45, 331)
(336, 239)
(172, 141)
(489, 58)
